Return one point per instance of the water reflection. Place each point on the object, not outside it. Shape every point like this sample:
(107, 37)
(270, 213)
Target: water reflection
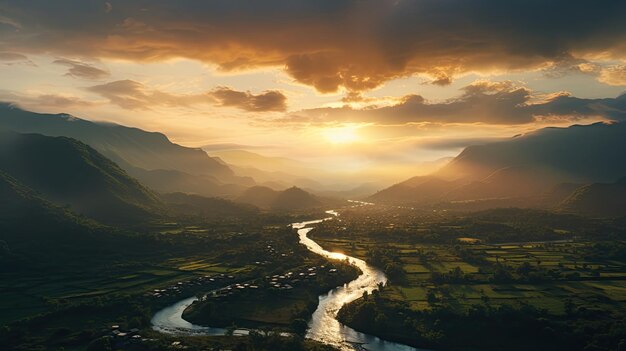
(323, 326)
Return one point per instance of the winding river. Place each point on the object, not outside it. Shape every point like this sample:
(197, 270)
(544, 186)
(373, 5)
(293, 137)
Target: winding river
(323, 326)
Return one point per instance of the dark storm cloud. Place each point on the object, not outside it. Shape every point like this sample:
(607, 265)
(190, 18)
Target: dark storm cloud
(502, 103)
(134, 95)
(356, 44)
(83, 70)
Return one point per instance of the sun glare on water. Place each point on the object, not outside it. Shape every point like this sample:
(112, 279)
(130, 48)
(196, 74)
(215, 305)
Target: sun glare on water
(341, 135)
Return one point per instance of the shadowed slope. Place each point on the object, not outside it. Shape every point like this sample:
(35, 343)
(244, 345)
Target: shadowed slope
(68, 172)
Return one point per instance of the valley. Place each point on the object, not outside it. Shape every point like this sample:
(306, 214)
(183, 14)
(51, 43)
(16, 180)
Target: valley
(489, 252)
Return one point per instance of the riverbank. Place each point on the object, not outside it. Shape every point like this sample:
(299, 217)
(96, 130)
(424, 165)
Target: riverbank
(323, 326)
(283, 301)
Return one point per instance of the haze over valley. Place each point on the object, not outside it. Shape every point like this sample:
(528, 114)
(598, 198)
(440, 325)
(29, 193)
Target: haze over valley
(312, 175)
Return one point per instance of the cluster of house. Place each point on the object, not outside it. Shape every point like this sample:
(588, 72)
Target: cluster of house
(277, 282)
(123, 337)
(289, 279)
(273, 252)
(230, 290)
(178, 287)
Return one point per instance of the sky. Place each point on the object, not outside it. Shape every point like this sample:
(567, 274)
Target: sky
(352, 84)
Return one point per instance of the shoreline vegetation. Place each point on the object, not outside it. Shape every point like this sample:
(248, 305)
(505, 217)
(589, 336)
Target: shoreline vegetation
(283, 301)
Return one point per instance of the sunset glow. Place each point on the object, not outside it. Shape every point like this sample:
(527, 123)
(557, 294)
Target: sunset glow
(313, 175)
(341, 135)
(256, 80)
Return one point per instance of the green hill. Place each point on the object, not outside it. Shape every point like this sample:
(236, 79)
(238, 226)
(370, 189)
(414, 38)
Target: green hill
(134, 150)
(293, 198)
(208, 207)
(70, 173)
(34, 230)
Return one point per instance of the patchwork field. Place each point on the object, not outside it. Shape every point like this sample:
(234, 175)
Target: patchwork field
(585, 282)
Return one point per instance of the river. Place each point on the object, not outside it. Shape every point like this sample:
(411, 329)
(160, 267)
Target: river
(323, 326)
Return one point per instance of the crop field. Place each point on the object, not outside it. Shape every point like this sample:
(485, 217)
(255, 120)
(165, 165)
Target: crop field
(591, 283)
(24, 296)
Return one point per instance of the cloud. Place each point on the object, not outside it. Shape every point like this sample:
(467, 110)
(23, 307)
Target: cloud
(53, 101)
(13, 58)
(495, 103)
(267, 101)
(134, 95)
(10, 22)
(570, 65)
(613, 75)
(77, 69)
(327, 44)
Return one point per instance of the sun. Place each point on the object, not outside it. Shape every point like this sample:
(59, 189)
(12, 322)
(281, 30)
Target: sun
(341, 135)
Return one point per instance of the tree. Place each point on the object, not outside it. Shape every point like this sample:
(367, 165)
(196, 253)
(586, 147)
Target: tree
(381, 321)
(100, 344)
(299, 326)
(431, 297)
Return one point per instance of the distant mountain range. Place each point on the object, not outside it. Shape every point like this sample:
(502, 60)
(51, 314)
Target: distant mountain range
(70, 173)
(186, 204)
(278, 173)
(539, 169)
(290, 199)
(248, 159)
(144, 154)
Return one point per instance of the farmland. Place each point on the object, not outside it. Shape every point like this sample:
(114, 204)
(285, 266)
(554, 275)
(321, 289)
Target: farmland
(446, 264)
(73, 304)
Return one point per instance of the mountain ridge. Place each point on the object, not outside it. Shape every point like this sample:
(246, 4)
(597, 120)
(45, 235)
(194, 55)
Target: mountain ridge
(122, 144)
(70, 173)
(527, 166)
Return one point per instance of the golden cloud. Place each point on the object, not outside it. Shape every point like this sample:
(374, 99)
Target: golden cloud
(495, 103)
(327, 44)
(78, 69)
(134, 95)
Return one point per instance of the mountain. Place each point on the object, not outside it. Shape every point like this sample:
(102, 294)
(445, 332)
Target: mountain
(294, 199)
(248, 159)
(128, 147)
(33, 229)
(259, 196)
(274, 172)
(290, 199)
(598, 199)
(420, 189)
(212, 207)
(170, 181)
(70, 173)
(528, 166)
(582, 153)
(356, 193)
(23, 208)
